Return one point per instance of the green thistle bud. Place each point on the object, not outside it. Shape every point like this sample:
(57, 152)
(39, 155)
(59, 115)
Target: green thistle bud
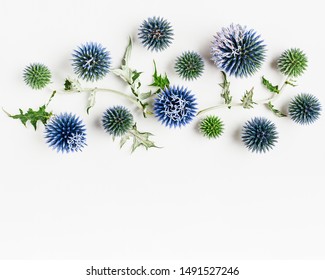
(117, 120)
(292, 63)
(37, 76)
(211, 127)
(189, 65)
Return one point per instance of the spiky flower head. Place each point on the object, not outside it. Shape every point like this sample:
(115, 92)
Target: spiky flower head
(304, 108)
(156, 34)
(211, 126)
(259, 135)
(175, 106)
(91, 61)
(117, 120)
(238, 51)
(189, 65)
(37, 75)
(66, 133)
(292, 62)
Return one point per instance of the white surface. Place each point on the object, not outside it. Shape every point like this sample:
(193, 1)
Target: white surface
(193, 199)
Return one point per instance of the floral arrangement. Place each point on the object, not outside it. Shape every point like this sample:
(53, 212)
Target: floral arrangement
(236, 51)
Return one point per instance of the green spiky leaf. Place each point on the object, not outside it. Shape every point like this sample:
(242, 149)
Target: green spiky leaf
(247, 100)
(138, 139)
(269, 86)
(124, 72)
(131, 77)
(158, 80)
(225, 94)
(32, 116)
(72, 85)
(135, 76)
(274, 110)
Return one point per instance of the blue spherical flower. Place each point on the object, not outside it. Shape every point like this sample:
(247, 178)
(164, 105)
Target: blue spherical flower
(91, 61)
(259, 135)
(175, 106)
(304, 108)
(238, 51)
(156, 33)
(66, 133)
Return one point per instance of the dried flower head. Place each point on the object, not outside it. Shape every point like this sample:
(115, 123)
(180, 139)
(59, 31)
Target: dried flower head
(292, 62)
(156, 34)
(189, 65)
(37, 75)
(304, 109)
(175, 106)
(259, 135)
(211, 127)
(117, 120)
(238, 51)
(66, 133)
(91, 62)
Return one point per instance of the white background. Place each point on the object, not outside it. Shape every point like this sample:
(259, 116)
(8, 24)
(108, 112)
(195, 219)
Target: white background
(193, 199)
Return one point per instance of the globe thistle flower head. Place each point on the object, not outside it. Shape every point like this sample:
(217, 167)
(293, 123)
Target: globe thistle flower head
(293, 62)
(117, 120)
(66, 133)
(156, 34)
(189, 65)
(238, 51)
(175, 106)
(211, 127)
(91, 62)
(37, 75)
(259, 135)
(304, 109)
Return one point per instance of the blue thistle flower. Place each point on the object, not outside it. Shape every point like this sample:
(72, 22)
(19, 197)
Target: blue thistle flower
(117, 120)
(175, 106)
(91, 61)
(156, 34)
(304, 108)
(238, 51)
(259, 135)
(66, 133)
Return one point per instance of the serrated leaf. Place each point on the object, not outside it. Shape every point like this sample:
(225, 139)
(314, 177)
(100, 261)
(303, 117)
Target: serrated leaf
(124, 139)
(125, 73)
(145, 95)
(159, 80)
(225, 94)
(72, 85)
(32, 116)
(247, 100)
(275, 111)
(91, 100)
(135, 76)
(139, 139)
(269, 86)
(67, 85)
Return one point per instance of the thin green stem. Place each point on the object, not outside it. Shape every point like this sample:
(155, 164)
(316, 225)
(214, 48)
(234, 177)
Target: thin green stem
(130, 98)
(51, 97)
